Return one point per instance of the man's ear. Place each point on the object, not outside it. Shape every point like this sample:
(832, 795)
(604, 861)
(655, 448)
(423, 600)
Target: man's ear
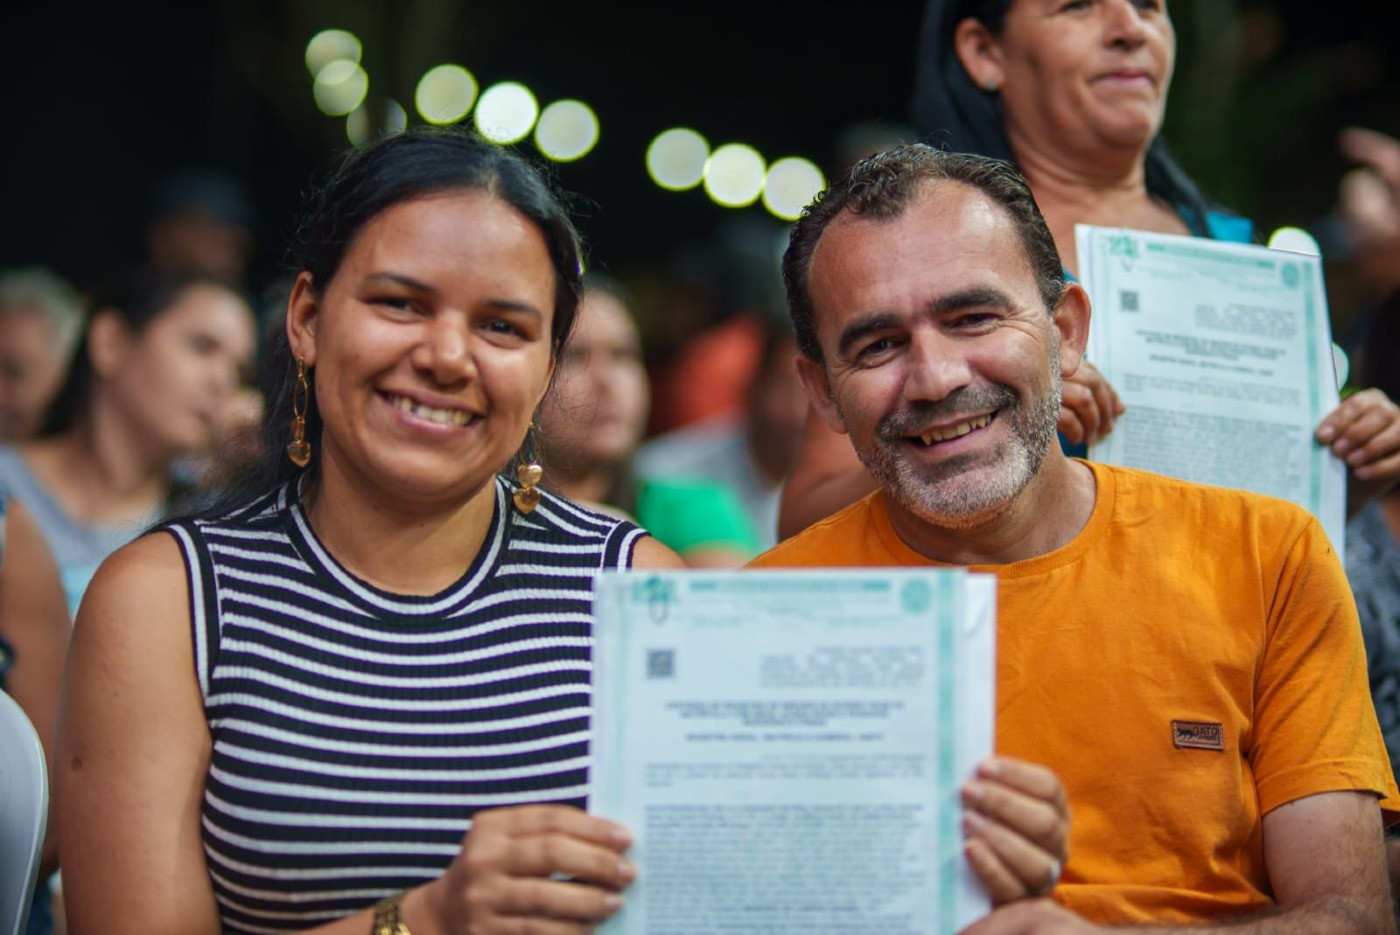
(109, 340)
(1071, 320)
(303, 309)
(979, 53)
(815, 384)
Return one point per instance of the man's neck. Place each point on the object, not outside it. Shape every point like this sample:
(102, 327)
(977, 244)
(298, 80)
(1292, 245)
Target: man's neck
(1043, 517)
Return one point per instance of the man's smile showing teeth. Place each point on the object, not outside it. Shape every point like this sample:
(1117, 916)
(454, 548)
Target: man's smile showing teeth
(955, 431)
(440, 416)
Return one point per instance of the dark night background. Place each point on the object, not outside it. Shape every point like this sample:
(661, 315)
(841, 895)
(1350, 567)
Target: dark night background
(103, 98)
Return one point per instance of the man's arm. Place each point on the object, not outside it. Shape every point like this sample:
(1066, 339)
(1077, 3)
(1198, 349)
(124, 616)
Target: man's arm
(1326, 862)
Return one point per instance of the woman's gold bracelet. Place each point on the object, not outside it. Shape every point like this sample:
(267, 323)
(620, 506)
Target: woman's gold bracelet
(386, 917)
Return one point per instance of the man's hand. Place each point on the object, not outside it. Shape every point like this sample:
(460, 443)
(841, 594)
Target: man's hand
(1017, 828)
(1325, 859)
(1088, 406)
(1040, 916)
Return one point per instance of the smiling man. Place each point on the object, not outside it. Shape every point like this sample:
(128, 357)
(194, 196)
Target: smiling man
(1186, 658)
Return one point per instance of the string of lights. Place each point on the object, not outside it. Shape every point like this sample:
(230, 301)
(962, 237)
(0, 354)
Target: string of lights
(733, 175)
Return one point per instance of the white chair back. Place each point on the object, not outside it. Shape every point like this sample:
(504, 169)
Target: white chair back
(24, 808)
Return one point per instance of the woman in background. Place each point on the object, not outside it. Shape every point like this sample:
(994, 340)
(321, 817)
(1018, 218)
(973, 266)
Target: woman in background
(162, 358)
(592, 422)
(1073, 94)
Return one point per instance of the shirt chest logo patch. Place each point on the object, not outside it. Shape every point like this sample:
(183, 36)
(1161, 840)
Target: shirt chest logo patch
(1198, 735)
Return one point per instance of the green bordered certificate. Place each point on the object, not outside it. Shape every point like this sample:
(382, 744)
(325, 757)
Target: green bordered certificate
(1222, 354)
(787, 746)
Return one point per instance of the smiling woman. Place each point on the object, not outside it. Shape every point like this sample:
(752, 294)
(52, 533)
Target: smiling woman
(437, 326)
(357, 697)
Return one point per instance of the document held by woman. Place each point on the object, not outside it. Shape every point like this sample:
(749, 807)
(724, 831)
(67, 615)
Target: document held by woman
(1222, 354)
(787, 746)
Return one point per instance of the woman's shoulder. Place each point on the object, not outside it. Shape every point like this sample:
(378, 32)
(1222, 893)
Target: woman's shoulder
(576, 532)
(143, 580)
(245, 511)
(559, 515)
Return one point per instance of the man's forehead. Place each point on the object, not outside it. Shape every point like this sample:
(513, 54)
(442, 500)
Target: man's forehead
(948, 226)
(944, 199)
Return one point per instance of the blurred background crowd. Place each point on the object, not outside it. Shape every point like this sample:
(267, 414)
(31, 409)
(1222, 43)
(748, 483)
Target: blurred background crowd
(178, 138)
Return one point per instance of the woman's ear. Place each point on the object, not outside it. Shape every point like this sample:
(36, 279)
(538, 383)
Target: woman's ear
(109, 341)
(979, 53)
(303, 308)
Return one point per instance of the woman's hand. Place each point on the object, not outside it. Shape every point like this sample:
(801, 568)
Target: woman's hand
(537, 868)
(1017, 828)
(1088, 406)
(1364, 431)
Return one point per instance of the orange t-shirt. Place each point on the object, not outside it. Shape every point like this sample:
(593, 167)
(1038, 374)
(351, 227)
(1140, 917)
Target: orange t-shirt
(1188, 662)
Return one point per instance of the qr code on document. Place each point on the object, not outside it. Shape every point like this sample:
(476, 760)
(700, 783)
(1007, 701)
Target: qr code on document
(661, 663)
(1128, 300)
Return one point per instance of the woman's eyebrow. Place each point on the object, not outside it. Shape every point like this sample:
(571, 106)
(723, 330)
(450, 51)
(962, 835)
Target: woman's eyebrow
(403, 280)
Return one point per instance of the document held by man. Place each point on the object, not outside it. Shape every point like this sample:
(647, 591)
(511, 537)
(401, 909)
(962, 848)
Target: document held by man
(1222, 354)
(787, 746)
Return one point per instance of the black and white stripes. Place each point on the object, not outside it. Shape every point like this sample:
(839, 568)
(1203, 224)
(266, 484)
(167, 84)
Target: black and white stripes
(355, 732)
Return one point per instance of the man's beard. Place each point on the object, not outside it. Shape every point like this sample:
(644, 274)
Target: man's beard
(967, 490)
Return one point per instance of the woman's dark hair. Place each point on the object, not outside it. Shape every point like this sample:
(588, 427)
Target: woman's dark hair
(367, 181)
(952, 112)
(138, 297)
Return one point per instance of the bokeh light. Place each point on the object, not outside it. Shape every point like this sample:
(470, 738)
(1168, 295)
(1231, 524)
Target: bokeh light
(734, 175)
(791, 185)
(331, 44)
(567, 130)
(506, 112)
(676, 159)
(340, 87)
(1294, 240)
(445, 94)
(359, 129)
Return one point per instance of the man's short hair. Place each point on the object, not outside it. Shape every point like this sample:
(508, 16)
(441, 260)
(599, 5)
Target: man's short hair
(883, 186)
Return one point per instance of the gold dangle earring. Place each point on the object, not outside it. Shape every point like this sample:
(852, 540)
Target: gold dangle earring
(529, 474)
(299, 449)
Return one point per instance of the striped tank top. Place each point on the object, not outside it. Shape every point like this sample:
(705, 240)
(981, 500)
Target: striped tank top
(356, 731)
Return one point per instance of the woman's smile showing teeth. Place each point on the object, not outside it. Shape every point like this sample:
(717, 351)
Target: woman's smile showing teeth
(956, 430)
(441, 416)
